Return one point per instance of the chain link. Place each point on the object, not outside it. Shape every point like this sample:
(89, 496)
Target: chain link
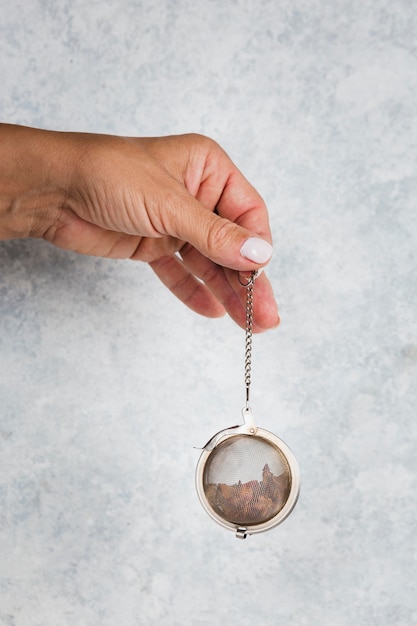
(249, 325)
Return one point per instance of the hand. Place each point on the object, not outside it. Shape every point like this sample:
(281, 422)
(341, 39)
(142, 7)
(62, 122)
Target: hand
(178, 203)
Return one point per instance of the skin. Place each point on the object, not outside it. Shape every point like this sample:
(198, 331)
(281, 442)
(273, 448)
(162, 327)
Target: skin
(178, 203)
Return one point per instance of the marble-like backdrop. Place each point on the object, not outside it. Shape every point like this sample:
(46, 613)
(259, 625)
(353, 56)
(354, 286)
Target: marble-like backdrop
(107, 382)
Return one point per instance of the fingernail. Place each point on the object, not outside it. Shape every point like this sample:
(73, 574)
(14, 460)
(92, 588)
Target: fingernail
(256, 250)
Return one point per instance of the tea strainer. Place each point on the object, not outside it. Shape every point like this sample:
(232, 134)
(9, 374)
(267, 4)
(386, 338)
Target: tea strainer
(247, 479)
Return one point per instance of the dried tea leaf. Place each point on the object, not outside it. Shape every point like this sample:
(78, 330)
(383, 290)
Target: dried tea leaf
(252, 502)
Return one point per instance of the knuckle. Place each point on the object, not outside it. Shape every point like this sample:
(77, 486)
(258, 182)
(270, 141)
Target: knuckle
(220, 234)
(203, 142)
(209, 275)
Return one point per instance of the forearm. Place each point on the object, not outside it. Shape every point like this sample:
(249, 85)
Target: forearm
(33, 180)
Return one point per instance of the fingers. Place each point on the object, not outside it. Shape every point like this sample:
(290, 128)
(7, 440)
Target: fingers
(225, 286)
(186, 287)
(200, 165)
(237, 200)
(199, 179)
(225, 221)
(265, 308)
(220, 290)
(223, 242)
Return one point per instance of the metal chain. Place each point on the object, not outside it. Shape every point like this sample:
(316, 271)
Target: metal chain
(249, 324)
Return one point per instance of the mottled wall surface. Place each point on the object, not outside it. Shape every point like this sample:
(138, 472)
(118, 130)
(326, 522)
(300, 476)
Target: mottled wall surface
(107, 382)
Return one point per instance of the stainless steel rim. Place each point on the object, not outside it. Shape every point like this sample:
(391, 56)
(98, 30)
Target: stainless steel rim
(294, 472)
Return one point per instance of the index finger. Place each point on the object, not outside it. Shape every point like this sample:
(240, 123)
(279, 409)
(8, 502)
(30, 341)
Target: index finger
(225, 189)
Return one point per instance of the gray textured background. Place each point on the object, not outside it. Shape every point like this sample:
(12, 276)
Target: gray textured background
(107, 382)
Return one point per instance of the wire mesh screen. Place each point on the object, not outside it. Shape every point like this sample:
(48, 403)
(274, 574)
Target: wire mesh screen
(247, 480)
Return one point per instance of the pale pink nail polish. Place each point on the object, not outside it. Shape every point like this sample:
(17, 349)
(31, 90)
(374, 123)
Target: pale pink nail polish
(256, 250)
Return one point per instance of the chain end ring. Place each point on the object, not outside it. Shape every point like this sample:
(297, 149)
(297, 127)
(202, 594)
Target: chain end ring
(249, 281)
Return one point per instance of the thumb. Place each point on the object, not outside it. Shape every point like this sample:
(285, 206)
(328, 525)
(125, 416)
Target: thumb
(221, 240)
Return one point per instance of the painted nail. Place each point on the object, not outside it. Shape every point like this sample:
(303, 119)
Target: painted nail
(256, 250)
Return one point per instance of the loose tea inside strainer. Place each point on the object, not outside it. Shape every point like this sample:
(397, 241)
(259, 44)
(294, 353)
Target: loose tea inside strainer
(247, 479)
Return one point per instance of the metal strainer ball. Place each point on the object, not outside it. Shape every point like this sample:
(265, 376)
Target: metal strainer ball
(247, 479)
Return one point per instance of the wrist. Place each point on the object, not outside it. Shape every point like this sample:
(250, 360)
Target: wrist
(33, 185)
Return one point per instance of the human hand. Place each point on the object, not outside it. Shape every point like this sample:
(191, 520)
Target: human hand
(178, 203)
